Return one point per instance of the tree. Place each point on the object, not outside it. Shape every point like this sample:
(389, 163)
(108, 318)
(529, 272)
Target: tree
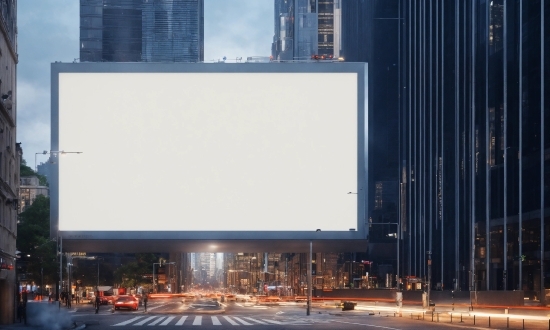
(24, 171)
(33, 238)
(134, 273)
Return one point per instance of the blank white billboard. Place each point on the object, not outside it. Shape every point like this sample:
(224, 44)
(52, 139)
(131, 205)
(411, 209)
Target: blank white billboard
(225, 151)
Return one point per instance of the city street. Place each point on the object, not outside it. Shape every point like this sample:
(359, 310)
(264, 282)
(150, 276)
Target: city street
(172, 313)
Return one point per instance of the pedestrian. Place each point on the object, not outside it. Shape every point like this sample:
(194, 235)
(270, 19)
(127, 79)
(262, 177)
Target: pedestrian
(69, 299)
(20, 312)
(97, 302)
(145, 298)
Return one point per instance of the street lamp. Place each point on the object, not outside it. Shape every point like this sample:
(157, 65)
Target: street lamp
(159, 263)
(62, 152)
(70, 258)
(397, 236)
(250, 274)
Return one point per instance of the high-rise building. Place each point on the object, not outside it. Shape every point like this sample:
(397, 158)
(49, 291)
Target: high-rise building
(466, 83)
(10, 158)
(306, 27)
(141, 30)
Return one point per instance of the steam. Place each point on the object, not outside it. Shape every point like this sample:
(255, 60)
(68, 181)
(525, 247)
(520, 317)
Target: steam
(48, 316)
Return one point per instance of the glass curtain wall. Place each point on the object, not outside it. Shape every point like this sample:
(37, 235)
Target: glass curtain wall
(141, 31)
(473, 169)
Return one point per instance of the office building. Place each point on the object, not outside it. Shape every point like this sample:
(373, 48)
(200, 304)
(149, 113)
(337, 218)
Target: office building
(141, 31)
(306, 27)
(466, 83)
(10, 159)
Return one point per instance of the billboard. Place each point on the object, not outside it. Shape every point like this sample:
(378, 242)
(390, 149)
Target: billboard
(208, 151)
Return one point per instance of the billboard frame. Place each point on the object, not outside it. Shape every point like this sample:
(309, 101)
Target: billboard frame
(132, 241)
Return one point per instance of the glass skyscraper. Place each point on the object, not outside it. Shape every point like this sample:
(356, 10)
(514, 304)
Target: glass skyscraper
(465, 86)
(141, 30)
(306, 27)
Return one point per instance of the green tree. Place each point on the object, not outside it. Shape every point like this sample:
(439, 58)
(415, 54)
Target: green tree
(134, 273)
(24, 171)
(38, 251)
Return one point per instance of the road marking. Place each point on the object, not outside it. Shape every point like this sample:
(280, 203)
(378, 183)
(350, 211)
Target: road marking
(272, 321)
(215, 320)
(198, 320)
(253, 320)
(150, 308)
(238, 304)
(146, 320)
(180, 322)
(129, 321)
(368, 325)
(242, 321)
(156, 321)
(230, 320)
(168, 319)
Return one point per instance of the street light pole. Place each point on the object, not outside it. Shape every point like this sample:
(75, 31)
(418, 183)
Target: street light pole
(309, 279)
(35, 162)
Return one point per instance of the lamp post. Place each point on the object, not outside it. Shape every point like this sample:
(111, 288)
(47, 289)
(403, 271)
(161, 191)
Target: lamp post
(154, 286)
(250, 274)
(70, 258)
(397, 252)
(97, 258)
(309, 279)
(35, 162)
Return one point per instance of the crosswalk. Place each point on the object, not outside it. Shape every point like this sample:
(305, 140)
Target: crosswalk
(160, 320)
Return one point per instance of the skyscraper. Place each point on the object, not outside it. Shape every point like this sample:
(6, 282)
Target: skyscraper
(466, 83)
(306, 27)
(141, 30)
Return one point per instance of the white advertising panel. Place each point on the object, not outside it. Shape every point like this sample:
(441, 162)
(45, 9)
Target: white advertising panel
(207, 151)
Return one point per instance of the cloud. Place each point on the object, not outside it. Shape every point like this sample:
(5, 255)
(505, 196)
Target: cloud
(238, 28)
(48, 31)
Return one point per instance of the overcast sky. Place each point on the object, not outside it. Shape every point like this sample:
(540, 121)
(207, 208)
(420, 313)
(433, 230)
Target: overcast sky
(48, 31)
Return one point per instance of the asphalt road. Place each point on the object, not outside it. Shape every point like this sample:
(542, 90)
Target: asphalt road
(175, 314)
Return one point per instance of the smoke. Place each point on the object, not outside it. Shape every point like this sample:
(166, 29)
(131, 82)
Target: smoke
(48, 316)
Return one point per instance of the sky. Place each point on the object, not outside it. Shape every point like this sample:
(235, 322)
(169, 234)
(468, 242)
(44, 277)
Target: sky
(48, 31)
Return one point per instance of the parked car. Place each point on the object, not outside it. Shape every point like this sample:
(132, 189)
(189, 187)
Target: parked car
(127, 302)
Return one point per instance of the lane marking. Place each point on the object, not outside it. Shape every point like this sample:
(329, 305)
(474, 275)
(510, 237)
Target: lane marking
(242, 321)
(367, 325)
(230, 320)
(157, 321)
(180, 321)
(128, 322)
(155, 307)
(215, 320)
(168, 320)
(146, 320)
(253, 320)
(272, 321)
(198, 320)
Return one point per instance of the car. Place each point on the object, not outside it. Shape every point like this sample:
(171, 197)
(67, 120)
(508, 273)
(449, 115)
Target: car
(126, 302)
(230, 297)
(105, 300)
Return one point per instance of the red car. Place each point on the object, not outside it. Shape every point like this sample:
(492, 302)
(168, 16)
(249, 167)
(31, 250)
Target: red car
(128, 302)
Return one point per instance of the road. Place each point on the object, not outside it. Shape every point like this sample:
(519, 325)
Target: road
(175, 314)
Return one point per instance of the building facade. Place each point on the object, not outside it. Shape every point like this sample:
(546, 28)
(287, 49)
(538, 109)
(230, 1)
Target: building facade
(10, 158)
(29, 189)
(467, 82)
(141, 31)
(306, 27)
